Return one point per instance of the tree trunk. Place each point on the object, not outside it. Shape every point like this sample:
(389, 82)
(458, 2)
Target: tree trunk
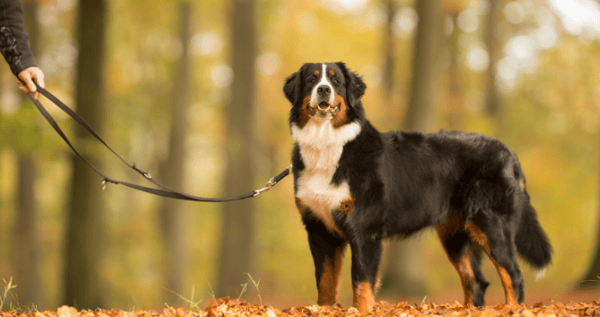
(492, 102)
(388, 52)
(592, 275)
(420, 113)
(455, 101)
(403, 275)
(237, 254)
(85, 223)
(26, 242)
(173, 213)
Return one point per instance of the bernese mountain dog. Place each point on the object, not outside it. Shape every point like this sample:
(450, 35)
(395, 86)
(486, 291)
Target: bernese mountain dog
(355, 185)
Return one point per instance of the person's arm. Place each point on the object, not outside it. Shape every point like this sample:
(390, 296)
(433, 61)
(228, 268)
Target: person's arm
(14, 41)
(15, 47)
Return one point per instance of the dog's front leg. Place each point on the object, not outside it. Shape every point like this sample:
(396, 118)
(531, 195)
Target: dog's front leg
(366, 255)
(328, 253)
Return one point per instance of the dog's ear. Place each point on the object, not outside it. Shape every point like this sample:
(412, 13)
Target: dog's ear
(355, 86)
(292, 87)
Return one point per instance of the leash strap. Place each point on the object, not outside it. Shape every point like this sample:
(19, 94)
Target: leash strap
(165, 191)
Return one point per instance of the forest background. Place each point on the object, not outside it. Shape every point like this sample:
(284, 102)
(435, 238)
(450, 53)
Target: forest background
(191, 91)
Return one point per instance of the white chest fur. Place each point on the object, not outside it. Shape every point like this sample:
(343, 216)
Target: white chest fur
(321, 147)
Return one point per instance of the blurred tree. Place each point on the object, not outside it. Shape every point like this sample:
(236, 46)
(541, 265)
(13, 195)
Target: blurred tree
(2, 208)
(388, 51)
(456, 86)
(174, 216)
(237, 234)
(420, 115)
(592, 275)
(85, 222)
(492, 101)
(404, 275)
(26, 242)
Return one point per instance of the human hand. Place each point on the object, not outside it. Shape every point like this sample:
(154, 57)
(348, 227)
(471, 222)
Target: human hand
(28, 78)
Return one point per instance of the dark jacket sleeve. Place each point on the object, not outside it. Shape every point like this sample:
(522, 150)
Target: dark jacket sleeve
(14, 41)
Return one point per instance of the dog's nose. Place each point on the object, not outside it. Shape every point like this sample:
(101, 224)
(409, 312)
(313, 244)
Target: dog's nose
(324, 90)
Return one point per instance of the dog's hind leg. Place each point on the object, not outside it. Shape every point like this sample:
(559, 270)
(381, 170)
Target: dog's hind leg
(482, 283)
(456, 243)
(501, 249)
(366, 255)
(328, 252)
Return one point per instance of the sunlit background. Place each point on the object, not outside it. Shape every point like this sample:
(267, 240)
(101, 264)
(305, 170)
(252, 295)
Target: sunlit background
(547, 75)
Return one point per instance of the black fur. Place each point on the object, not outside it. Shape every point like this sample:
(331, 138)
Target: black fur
(533, 245)
(467, 185)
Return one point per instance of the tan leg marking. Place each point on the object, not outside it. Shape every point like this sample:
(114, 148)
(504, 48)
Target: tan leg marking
(509, 291)
(364, 300)
(463, 265)
(480, 238)
(377, 282)
(329, 283)
(467, 277)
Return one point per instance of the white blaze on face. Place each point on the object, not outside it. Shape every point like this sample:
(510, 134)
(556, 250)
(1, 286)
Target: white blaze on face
(322, 82)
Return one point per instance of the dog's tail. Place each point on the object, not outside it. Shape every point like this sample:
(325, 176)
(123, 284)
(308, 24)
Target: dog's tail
(532, 242)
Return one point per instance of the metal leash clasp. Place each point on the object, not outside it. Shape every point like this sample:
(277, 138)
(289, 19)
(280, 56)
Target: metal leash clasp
(270, 184)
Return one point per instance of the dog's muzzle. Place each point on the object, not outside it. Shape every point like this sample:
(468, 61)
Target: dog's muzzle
(323, 108)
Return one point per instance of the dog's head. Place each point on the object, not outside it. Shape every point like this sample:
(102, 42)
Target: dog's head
(324, 91)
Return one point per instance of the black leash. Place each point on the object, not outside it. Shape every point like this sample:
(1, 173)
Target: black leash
(166, 191)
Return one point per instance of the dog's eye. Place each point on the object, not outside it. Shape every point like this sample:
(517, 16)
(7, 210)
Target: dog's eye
(336, 81)
(312, 80)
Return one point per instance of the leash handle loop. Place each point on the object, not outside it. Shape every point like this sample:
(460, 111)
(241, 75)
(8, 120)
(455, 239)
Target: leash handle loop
(165, 191)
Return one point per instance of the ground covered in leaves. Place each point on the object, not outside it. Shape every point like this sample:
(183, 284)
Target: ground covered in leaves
(224, 307)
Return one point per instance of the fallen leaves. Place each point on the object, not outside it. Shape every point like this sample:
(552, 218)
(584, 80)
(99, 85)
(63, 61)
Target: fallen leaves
(66, 311)
(225, 307)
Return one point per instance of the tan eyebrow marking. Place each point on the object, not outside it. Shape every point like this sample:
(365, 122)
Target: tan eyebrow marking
(316, 73)
(332, 73)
